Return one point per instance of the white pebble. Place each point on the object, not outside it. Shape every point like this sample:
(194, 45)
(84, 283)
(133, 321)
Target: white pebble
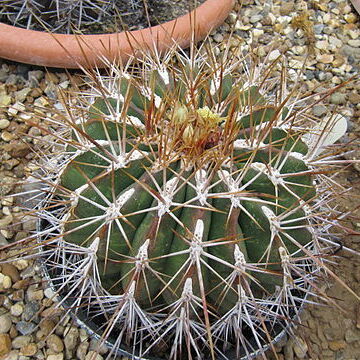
(274, 55)
(4, 123)
(17, 309)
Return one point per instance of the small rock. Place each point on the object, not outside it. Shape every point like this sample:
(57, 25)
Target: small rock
(47, 326)
(10, 164)
(5, 323)
(21, 341)
(96, 346)
(7, 136)
(49, 293)
(318, 28)
(17, 309)
(3, 240)
(325, 58)
(82, 350)
(232, 17)
(357, 317)
(10, 270)
(322, 45)
(255, 18)
(92, 355)
(5, 281)
(274, 55)
(21, 284)
(12, 355)
(296, 64)
(17, 295)
(51, 77)
(4, 123)
(354, 98)
(286, 8)
(351, 336)
(288, 351)
(14, 109)
(257, 33)
(338, 98)
(338, 61)
(25, 327)
(5, 100)
(350, 18)
(5, 344)
(351, 51)
(22, 94)
(319, 110)
(5, 221)
(51, 91)
(29, 223)
(354, 43)
(55, 357)
(71, 338)
(334, 41)
(337, 345)
(218, 37)
(55, 343)
(36, 295)
(29, 350)
(51, 312)
(300, 347)
(35, 74)
(30, 310)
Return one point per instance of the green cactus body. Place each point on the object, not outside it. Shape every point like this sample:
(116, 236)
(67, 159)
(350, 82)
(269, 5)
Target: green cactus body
(176, 192)
(187, 213)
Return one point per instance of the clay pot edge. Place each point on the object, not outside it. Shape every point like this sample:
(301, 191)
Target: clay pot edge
(74, 51)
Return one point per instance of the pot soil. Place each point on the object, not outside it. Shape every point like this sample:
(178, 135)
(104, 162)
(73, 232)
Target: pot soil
(75, 51)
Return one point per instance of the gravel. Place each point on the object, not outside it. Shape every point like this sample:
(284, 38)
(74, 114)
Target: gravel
(326, 43)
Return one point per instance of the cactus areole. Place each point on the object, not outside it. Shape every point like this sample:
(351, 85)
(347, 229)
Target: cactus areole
(187, 211)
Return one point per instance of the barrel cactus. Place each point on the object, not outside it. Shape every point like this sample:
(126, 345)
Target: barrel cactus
(65, 15)
(187, 213)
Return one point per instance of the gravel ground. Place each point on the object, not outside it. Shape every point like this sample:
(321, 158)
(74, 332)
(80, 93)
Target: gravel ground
(331, 31)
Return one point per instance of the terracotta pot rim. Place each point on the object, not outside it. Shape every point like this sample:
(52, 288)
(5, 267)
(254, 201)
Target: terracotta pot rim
(74, 51)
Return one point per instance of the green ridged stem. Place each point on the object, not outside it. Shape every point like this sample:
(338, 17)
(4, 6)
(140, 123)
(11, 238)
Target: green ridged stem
(153, 247)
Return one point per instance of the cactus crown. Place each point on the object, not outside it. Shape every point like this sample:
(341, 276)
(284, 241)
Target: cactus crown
(188, 211)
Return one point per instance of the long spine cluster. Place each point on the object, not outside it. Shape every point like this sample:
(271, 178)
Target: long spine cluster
(215, 157)
(61, 15)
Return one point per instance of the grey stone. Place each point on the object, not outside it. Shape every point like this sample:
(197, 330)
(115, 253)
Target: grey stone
(35, 77)
(31, 308)
(352, 336)
(25, 327)
(318, 28)
(3, 240)
(256, 18)
(218, 37)
(3, 75)
(319, 110)
(351, 51)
